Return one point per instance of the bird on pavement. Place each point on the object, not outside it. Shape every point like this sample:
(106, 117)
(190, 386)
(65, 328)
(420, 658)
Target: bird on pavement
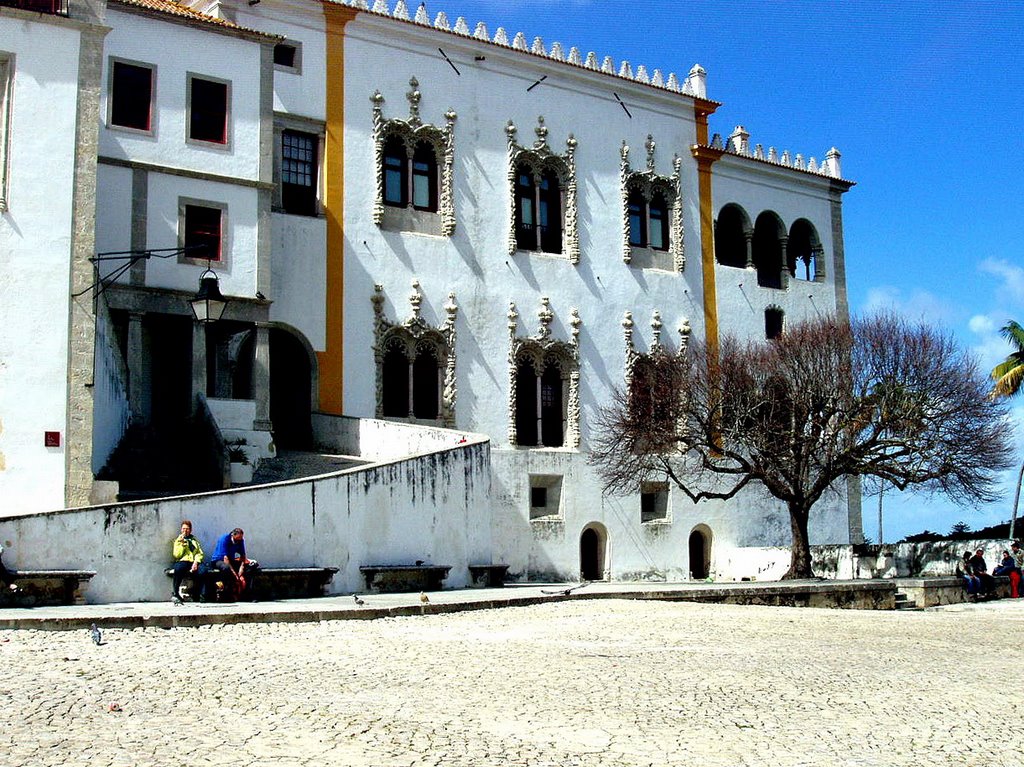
(97, 635)
(424, 598)
(359, 601)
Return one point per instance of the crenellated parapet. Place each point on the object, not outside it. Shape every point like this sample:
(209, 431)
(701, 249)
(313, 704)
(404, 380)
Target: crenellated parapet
(694, 84)
(738, 144)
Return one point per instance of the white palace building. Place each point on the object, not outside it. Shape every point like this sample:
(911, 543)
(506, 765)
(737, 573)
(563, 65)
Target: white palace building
(442, 247)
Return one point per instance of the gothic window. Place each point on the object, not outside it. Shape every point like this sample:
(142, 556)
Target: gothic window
(415, 363)
(414, 170)
(544, 384)
(733, 235)
(543, 196)
(652, 214)
(540, 405)
(538, 210)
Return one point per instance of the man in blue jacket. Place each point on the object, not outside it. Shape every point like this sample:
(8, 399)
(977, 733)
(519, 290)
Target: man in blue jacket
(232, 566)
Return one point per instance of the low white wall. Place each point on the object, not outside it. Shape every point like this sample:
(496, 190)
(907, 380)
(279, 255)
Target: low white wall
(382, 440)
(232, 413)
(433, 507)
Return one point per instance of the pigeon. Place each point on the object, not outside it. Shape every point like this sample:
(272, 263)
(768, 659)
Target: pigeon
(424, 598)
(97, 635)
(568, 591)
(419, 562)
(358, 601)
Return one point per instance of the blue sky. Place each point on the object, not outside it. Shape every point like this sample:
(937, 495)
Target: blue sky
(925, 100)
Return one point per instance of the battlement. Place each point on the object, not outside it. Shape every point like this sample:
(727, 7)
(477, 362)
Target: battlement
(695, 83)
(738, 143)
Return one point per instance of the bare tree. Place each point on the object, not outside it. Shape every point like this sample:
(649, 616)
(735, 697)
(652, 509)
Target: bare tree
(879, 398)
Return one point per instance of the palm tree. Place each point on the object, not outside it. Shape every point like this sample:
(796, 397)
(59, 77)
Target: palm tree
(1009, 374)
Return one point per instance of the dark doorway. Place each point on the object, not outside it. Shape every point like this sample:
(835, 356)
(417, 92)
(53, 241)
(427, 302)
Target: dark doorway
(290, 391)
(591, 555)
(699, 555)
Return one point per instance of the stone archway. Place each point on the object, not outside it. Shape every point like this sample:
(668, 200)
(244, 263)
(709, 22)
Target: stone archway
(593, 552)
(700, 552)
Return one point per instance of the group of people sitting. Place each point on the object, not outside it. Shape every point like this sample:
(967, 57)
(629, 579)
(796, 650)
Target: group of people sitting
(228, 575)
(981, 584)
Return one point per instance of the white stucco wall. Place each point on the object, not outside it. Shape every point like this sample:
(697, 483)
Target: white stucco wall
(35, 247)
(475, 265)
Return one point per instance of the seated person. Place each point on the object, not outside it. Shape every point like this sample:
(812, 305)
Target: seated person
(231, 565)
(188, 556)
(971, 581)
(1008, 567)
(980, 569)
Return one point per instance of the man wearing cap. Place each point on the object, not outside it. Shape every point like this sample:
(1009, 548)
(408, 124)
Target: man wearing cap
(231, 564)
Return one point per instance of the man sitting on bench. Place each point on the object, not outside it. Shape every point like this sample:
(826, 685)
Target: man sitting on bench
(231, 567)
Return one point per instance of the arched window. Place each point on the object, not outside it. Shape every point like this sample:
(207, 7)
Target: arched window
(769, 250)
(526, 404)
(732, 235)
(654, 388)
(424, 177)
(538, 210)
(395, 383)
(637, 219)
(658, 221)
(552, 407)
(803, 252)
(425, 386)
(395, 172)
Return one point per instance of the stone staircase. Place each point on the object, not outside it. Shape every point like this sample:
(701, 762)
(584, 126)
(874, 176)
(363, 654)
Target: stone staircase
(903, 602)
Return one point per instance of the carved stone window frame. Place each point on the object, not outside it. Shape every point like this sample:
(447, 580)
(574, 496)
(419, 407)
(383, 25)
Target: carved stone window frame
(412, 336)
(411, 131)
(539, 351)
(541, 158)
(656, 349)
(648, 181)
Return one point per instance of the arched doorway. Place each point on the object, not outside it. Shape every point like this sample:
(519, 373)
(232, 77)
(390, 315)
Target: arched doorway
(593, 542)
(291, 399)
(700, 553)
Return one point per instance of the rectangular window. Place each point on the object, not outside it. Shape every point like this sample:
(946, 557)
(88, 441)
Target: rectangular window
(653, 501)
(636, 225)
(394, 174)
(421, 185)
(545, 495)
(298, 172)
(202, 232)
(658, 227)
(6, 73)
(131, 95)
(285, 55)
(208, 110)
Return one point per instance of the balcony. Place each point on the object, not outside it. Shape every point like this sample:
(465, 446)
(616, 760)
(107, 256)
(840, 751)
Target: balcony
(53, 7)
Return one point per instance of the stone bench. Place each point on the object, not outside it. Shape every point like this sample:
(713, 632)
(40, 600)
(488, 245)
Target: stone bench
(930, 591)
(284, 582)
(492, 576)
(38, 588)
(389, 579)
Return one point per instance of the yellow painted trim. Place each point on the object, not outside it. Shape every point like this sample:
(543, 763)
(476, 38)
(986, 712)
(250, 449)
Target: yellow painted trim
(332, 359)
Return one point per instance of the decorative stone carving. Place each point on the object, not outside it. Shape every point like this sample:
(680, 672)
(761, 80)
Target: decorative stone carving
(540, 158)
(415, 336)
(539, 351)
(412, 131)
(647, 182)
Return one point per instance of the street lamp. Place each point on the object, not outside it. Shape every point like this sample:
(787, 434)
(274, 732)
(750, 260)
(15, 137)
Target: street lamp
(208, 305)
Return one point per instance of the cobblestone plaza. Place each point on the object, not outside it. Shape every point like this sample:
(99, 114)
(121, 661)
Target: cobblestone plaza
(610, 682)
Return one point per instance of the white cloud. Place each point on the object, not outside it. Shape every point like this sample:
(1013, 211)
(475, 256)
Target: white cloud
(1011, 288)
(915, 305)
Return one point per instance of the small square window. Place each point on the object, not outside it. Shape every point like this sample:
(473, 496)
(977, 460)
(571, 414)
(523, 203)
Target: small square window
(131, 95)
(545, 495)
(202, 232)
(654, 502)
(208, 110)
(288, 56)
